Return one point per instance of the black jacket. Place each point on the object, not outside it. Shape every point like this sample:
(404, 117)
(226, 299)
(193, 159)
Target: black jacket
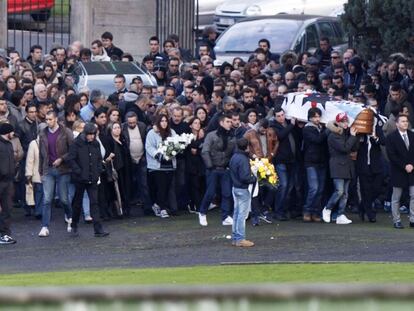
(371, 147)
(7, 164)
(399, 157)
(27, 132)
(315, 146)
(323, 58)
(85, 160)
(194, 164)
(284, 154)
(180, 128)
(113, 50)
(240, 172)
(142, 130)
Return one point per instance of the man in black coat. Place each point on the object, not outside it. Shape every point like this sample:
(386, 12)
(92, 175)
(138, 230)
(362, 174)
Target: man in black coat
(284, 161)
(400, 151)
(110, 48)
(134, 132)
(370, 170)
(7, 167)
(86, 162)
(315, 153)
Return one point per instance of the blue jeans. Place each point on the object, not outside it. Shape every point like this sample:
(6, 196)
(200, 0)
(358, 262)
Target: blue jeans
(340, 195)
(38, 197)
(286, 183)
(242, 203)
(215, 178)
(85, 200)
(316, 176)
(49, 182)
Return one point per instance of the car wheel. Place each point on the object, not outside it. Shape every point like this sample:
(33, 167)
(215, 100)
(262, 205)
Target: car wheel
(41, 16)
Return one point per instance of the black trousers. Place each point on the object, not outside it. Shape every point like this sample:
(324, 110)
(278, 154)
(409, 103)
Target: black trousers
(371, 187)
(196, 189)
(104, 198)
(160, 182)
(6, 193)
(92, 190)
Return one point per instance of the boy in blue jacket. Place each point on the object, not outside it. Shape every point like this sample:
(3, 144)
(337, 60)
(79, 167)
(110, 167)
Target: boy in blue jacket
(242, 177)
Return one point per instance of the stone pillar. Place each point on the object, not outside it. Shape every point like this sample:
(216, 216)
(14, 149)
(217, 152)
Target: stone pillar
(132, 23)
(81, 26)
(176, 16)
(3, 24)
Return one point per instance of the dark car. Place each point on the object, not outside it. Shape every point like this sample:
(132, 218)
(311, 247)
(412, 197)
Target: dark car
(298, 33)
(100, 75)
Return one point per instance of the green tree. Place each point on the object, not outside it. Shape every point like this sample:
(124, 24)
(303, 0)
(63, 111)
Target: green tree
(380, 27)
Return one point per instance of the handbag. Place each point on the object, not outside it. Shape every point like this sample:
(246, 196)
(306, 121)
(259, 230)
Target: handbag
(30, 195)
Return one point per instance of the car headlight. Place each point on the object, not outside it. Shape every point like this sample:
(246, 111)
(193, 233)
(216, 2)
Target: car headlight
(253, 10)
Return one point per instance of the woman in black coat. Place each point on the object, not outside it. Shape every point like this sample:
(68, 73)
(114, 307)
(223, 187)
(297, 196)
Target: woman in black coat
(121, 162)
(195, 168)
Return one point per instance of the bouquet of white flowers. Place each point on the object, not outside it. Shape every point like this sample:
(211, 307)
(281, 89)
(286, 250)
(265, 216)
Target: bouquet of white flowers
(174, 145)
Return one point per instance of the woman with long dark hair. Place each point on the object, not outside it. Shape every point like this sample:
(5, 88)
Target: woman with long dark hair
(11, 87)
(202, 114)
(195, 168)
(51, 76)
(250, 118)
(161, 170)
(121, 162)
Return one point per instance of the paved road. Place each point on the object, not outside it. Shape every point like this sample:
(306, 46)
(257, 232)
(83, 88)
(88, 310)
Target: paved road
(179, 241)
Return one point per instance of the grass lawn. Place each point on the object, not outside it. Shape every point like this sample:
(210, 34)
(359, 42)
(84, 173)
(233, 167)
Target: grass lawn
(241, 274)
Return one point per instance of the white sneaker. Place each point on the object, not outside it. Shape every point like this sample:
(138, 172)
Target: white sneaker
(202, 219)
(326, 215)
(69, 226)
(343, 220)
(156, 209)
(212, 206)
(228, 221)
(44, 232)
(164, 214)
(88, 219)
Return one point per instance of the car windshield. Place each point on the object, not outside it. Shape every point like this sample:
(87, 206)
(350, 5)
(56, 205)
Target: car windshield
(111, 68)
(244, 36)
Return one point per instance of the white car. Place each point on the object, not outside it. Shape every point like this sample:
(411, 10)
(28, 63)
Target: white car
(230, 11)
(100, 75)
(205, 10)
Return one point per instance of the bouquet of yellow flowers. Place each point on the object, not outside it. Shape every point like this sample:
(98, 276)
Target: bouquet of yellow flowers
(265, 171)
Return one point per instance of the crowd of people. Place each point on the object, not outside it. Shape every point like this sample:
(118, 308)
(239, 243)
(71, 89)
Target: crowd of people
(98, 156)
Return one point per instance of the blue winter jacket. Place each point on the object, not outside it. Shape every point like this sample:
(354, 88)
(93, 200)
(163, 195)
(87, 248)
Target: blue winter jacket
(240, 172)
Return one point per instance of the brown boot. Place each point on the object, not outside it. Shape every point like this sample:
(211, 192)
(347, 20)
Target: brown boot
(244, 243)
(307, 218)
(316, 218)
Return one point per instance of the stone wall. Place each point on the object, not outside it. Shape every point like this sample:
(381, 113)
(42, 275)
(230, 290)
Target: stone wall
(131, 22)
(3, 24)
